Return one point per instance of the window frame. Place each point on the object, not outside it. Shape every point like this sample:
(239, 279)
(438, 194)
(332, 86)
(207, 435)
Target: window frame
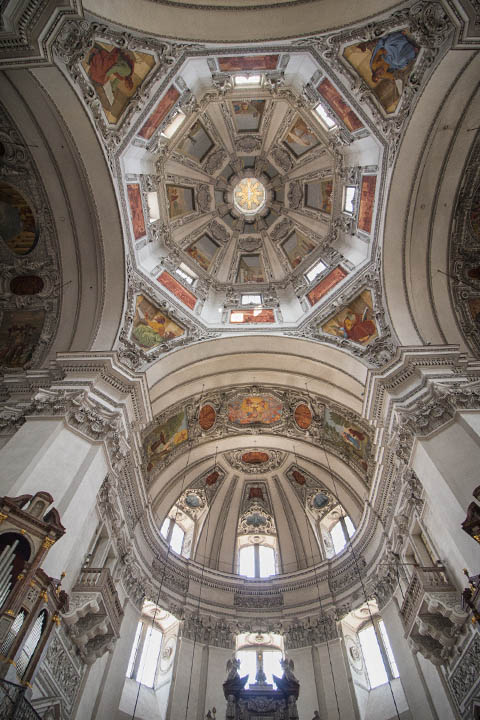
(256, 559)
(135, 668)
(375, 622)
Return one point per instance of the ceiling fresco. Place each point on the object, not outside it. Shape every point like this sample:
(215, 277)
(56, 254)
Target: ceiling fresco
(257, 411)
(252, 184)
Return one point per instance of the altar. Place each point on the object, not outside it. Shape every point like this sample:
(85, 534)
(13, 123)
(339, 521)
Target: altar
(261, 699)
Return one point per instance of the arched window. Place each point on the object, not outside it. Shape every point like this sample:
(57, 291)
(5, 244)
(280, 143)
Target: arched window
(145, 654)
(262, 660)
(336, 529)
(31, 643)
(174, 534)
(155, 639)
(341, 533)
(377, 653)
(256, 561)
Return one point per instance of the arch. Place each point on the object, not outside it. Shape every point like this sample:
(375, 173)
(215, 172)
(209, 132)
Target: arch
(239, 21)
(284, 361)
(421, 202)
(77, 182)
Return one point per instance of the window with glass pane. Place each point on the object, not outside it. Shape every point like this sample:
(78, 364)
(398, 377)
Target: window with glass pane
(266, 561)
(176, 541)
(325, 117)
(165, 527)
(251, 299)
(388, 649)
(349, 197)
(315, 270)
(248, 664)
(133, 654)
(150, 655)
(271, 664)
(247, 561)
(241, 80)
(373, 657)
(338, 537)
(350, 526)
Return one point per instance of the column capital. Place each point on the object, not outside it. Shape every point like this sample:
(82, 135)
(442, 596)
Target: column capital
(420, 390)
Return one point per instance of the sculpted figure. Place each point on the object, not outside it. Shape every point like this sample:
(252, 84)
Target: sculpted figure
(232, 668)
(288, 668)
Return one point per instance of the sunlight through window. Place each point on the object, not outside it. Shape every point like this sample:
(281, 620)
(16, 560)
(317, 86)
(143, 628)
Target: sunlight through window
(149, 659)
(266, 561)
(373, 657)
(325, 117)
(247, 561)
(176, 541)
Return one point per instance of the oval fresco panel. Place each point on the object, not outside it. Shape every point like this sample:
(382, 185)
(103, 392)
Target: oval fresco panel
(255, 457)
(193, 500)
(17, 222)
(26, 285)
(320, 500)
(206, 418)
(212, 478)
(298, 477)
(262, 409)
(303, 416)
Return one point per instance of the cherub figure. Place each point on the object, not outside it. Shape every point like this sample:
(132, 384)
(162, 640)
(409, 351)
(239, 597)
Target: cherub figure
(288, 667)
(232, 668)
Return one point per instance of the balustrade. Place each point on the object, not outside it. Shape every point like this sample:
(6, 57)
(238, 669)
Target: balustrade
(431, 613)
(95, 613)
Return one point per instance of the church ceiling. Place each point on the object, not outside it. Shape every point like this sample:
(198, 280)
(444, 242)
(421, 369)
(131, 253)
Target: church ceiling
(254, 172)
(255, 412)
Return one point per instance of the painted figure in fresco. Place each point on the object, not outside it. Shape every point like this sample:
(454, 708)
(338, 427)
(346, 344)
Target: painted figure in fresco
(301, 134)
(243, 107)
(357, 327)
(354, 437)
(108, 68)
(20, 345)
(173, 200)
(390, 53)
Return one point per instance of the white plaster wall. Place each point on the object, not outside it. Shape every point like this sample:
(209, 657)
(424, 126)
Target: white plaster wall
(447, 466)
(91, 687)
(335, 681)
(217, 662)
(380, 705)
(307, 700)
(186, 681)
(437, 691)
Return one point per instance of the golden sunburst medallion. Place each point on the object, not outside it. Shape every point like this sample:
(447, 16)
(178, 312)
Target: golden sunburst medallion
(249, 196)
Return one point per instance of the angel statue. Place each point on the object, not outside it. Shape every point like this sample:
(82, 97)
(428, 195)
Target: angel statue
(232, 668)
(288, 668)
